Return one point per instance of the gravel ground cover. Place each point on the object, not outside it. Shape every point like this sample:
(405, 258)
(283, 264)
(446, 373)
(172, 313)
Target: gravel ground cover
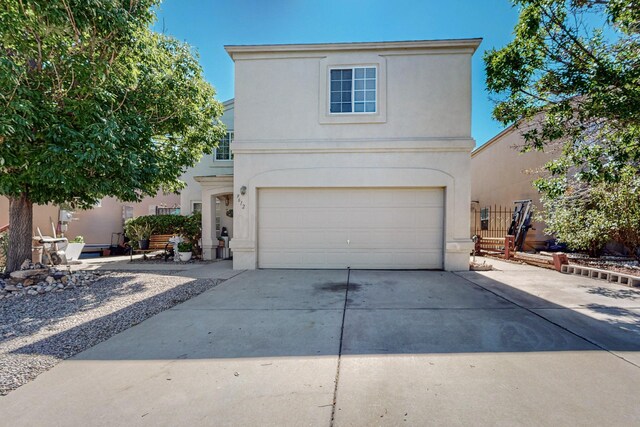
(39, 331)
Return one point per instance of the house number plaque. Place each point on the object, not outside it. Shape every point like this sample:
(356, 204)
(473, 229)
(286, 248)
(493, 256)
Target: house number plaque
(240, 202)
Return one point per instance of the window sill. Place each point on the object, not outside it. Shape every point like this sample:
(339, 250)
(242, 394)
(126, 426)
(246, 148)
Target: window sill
(347, 118)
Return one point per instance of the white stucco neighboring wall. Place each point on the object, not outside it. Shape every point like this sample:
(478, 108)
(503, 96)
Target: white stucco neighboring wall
(420, 135)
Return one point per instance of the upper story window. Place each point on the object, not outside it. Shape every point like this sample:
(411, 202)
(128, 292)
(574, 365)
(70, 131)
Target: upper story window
(223, 150)
(353, 90)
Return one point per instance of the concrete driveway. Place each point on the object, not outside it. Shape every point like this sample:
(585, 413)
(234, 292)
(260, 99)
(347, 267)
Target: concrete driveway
(519, 346)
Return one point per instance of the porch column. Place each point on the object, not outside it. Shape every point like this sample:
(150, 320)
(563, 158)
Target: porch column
(208, 213)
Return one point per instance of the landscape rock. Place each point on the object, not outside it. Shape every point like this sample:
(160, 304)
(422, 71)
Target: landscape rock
(38, 279)
(24, 274)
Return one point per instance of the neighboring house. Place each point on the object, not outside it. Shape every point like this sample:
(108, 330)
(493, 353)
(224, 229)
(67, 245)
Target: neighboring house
(500, 175)
(96, 225)
(346, 155)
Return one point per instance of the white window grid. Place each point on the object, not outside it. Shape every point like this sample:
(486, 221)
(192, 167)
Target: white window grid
(363, 89)
(223, 150)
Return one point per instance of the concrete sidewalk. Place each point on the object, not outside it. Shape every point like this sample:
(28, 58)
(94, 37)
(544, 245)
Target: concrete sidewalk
(198, 270)
(281, 348)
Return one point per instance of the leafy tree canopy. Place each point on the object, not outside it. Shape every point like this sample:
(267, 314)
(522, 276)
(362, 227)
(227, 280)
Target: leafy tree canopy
(93, 103)
(571, 77)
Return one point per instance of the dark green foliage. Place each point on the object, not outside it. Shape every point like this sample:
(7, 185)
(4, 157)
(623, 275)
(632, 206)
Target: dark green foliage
(93, 104)
(588, 219)
(185, 247)
(159, 224)
(570, 81)
(571, 77)
(188, 227)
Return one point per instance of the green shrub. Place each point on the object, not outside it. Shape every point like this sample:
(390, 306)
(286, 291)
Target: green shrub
(589, 219)
(160, 224)
(77, 239)
(192, 230)
(189, 227)
(185, 247)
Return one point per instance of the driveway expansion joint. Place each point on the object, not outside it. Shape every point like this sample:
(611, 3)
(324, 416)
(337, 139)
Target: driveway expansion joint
(344, 313)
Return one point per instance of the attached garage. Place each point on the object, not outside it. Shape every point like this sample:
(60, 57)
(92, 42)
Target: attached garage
(379, 228)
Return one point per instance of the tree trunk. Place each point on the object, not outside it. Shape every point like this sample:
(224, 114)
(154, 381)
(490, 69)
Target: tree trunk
(20, 229)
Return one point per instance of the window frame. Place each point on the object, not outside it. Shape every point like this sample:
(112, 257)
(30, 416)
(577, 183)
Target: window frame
(229, 135)
(485, 216)
(353, 88)
(342, 61)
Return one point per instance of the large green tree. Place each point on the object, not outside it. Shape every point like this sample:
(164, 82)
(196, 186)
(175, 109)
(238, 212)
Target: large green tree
(93, 103)
(570, 79)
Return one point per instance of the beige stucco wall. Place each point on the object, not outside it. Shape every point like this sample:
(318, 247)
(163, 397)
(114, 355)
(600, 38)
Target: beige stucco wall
(95, 225)
(502, 174)
(42, 215)
(207, 166)
(428, 93)
(420, 136)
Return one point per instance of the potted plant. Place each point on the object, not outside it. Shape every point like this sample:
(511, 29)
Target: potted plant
(74, 248)
(184, 251)
(141, 233)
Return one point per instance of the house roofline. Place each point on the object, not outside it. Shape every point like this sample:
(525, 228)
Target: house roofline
(492, 141)
(228, 102)
(471, 43)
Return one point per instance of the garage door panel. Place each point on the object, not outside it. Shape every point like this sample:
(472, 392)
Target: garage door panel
(386, 228)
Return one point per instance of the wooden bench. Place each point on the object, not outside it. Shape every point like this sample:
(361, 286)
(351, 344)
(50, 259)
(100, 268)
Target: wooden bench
(157, 242)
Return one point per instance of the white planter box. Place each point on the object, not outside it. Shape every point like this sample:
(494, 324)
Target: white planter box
(73, 251)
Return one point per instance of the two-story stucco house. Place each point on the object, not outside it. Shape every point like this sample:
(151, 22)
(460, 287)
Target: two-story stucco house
(345, 155)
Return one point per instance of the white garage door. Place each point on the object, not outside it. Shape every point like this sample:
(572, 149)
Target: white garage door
(382, 228)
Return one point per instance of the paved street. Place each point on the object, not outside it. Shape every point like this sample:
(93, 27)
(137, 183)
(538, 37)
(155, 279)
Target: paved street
(517, 346)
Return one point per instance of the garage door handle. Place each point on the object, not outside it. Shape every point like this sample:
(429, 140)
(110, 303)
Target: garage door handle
(348, 242)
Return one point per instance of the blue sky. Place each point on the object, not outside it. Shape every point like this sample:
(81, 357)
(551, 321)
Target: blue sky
(208, 25)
